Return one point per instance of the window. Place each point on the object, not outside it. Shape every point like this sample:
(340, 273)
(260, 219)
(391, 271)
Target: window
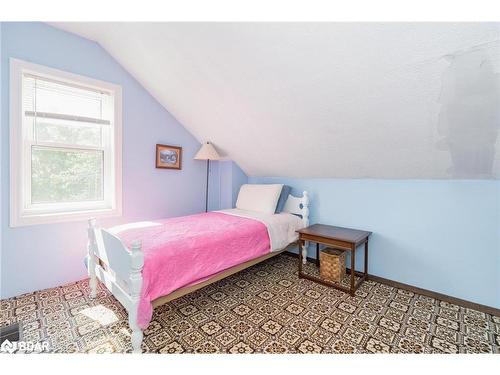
(65, 146)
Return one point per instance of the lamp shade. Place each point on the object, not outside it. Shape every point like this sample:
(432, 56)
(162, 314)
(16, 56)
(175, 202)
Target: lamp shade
(207, 152)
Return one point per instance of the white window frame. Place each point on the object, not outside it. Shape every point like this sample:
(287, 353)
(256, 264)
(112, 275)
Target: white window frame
(20, 214)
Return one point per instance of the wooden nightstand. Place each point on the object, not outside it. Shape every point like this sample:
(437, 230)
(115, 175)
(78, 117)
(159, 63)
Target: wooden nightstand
(339, 238)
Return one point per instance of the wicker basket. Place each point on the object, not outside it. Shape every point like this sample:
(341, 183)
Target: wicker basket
(332, 264)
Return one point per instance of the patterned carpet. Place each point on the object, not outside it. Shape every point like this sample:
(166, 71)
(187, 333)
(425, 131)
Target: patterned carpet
(264, 309)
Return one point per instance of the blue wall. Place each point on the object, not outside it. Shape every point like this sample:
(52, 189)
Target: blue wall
(441, 235)
(238, 178)
(226, 177)
(231, 178)
(226, 184)
(43, 256)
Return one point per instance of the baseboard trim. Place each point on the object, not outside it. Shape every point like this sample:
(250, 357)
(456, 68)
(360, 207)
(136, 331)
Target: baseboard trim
(425, 292)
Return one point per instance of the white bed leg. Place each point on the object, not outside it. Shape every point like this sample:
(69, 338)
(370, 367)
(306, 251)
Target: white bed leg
(137, 334)
(304, 253)
(135, 292)
(91, 259)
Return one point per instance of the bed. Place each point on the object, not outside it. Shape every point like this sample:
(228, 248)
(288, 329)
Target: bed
(147, 264)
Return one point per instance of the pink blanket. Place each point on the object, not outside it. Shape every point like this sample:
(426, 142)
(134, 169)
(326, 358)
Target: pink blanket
(185, 250)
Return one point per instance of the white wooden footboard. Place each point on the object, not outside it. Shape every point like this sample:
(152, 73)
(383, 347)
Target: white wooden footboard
(120, 269)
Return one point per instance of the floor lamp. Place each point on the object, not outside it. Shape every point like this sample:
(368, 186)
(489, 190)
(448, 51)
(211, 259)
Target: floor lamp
(207, 152)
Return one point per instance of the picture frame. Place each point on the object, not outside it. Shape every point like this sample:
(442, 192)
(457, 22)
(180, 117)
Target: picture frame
(168, 157)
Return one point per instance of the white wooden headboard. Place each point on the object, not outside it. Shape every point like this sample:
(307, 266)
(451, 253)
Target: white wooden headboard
(298, 206)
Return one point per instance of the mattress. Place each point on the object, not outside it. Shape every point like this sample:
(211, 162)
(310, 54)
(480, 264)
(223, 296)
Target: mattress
(282, 228)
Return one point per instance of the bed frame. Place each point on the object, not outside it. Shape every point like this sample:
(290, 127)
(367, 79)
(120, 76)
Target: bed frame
(120, 268)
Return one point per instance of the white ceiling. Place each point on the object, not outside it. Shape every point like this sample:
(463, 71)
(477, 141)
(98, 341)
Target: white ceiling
(381, 100)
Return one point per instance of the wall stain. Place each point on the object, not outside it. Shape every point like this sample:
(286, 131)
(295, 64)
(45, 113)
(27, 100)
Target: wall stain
(469, 118)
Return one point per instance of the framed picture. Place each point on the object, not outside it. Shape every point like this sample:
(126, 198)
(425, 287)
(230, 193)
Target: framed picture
(169, 157)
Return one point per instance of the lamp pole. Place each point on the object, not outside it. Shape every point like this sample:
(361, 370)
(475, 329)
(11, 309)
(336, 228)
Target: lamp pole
(206, 193)
(207, 152)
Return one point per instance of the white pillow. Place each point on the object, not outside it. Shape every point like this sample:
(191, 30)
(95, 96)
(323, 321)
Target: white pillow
(259, 197)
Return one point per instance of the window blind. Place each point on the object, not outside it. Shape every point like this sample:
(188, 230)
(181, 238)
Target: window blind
(51, 99)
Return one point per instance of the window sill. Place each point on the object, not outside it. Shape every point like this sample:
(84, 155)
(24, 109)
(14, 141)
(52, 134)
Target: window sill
(54, 218)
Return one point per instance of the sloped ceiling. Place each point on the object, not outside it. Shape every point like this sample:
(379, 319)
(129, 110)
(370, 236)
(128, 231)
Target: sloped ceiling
(380, 100)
